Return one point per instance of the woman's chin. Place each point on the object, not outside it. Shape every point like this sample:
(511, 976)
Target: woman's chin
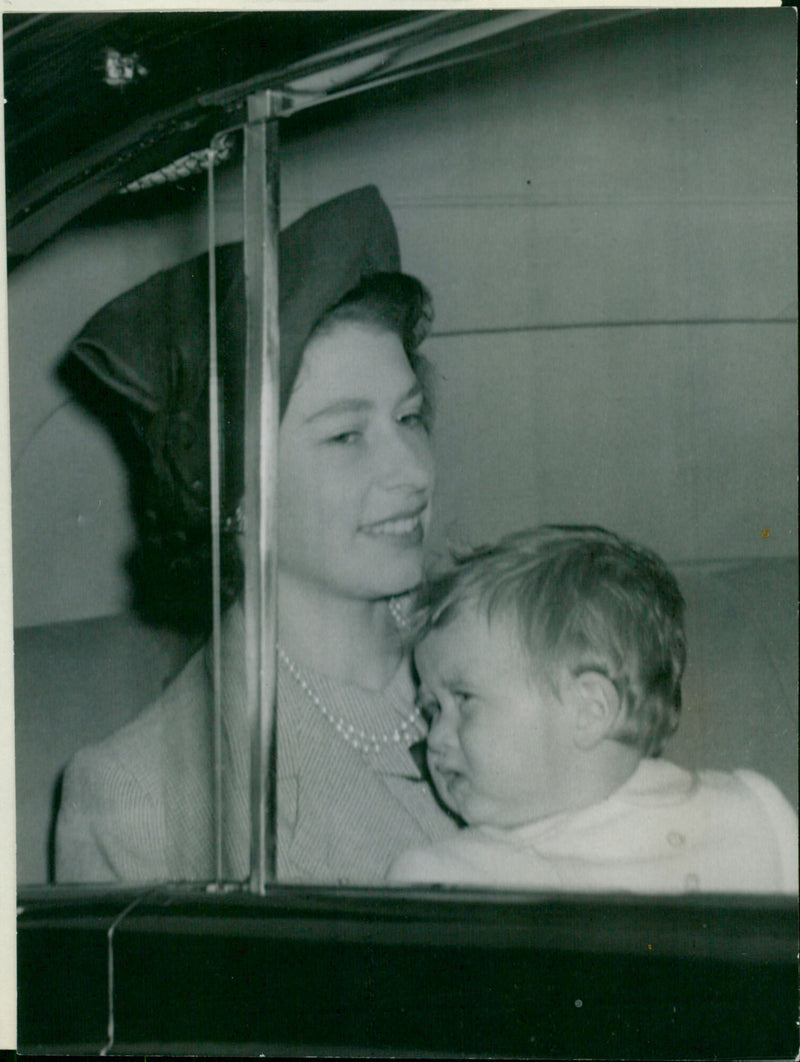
(393, 576)
(406, 585)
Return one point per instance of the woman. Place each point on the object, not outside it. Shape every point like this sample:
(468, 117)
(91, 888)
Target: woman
(355, 482)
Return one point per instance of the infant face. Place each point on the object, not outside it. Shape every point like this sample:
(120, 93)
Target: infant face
(500, 747)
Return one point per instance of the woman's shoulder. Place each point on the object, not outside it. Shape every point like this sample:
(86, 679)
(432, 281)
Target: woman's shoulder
(111, 822)
(129, 760)
(135, 749)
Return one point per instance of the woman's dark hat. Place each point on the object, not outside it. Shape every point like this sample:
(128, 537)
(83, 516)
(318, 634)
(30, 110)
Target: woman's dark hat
(151, 344)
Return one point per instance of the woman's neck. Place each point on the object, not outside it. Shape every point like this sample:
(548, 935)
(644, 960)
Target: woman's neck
(349, 639)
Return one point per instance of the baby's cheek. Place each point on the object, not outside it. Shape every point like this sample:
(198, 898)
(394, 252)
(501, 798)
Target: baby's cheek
(481, 748)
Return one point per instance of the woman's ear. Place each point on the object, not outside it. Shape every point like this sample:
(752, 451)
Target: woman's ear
(597, 704)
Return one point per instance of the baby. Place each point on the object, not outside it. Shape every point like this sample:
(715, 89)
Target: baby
(550, 666)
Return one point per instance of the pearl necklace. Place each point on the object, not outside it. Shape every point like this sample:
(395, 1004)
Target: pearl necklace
(399, 614)
(407, 732)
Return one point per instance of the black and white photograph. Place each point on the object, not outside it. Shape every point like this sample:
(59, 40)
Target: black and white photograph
(403, 470)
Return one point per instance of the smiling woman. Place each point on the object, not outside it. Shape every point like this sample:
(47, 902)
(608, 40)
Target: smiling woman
(355, 474)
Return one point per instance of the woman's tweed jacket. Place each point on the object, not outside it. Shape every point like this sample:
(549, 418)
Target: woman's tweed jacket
(138, 806)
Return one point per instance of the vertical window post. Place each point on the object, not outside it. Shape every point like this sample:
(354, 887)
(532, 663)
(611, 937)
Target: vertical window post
(215, 483)
(261, 227)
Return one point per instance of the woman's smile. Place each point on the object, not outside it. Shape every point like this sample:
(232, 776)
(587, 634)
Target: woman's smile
(408, 528)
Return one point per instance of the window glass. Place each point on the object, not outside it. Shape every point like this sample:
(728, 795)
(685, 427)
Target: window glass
(598, 208)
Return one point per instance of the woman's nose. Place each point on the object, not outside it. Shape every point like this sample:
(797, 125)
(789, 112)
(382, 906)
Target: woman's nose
(406, 459)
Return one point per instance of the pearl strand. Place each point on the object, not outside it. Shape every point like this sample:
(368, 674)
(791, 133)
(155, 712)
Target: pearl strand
(405, 733)
(399, 615)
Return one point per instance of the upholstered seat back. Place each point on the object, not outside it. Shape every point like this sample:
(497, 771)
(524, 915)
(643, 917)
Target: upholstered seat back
(77, 682)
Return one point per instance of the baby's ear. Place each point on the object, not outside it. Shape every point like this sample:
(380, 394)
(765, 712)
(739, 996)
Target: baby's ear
(596, 703)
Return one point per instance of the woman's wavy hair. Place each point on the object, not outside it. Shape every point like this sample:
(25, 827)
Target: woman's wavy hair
(584, 599)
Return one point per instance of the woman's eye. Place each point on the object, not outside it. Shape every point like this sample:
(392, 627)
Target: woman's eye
(412, 419)
(343, 438)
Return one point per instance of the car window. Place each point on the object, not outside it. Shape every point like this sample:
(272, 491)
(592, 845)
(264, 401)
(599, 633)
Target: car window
(614, 343)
